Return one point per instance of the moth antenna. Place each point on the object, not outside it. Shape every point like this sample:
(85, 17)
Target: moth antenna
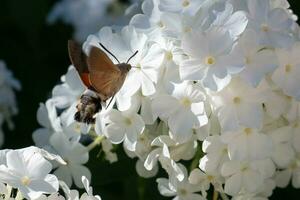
(109, 52)
(131, 56)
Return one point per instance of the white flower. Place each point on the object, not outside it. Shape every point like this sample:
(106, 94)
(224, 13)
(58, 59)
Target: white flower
(212, 58)
(178, 151)
(216, 154)
(287, 75)
(143, 148)
(223, 15)
(240, 105)
(283, 153)
(273, 26)
(183, 111)
(169, 69)
(292, 172)
(89, 191)
(29, 173)
(162, 154)
(277, 105)
(74, 194)
(124, 126)
(247, 144)
(153, 21)
(137, 102)
(182, 190)
(258, 61)
(248, 176)
(143, 172)
(144, 140)
(46, 117)
(197, 177)
(75, 155)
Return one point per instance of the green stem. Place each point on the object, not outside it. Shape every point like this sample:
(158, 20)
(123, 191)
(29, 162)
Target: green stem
(141, 188)
(196, 159)
(215, 195)
(95, 143)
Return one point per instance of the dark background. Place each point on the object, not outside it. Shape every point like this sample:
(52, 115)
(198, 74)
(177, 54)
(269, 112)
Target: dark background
(37, 55)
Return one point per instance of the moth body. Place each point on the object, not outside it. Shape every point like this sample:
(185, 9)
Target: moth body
(88, 106)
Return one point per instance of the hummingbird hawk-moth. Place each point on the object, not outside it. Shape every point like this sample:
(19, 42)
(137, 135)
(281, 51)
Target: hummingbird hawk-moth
(100, 75)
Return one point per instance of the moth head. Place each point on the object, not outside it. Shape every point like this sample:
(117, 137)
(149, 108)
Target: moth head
(124, 67)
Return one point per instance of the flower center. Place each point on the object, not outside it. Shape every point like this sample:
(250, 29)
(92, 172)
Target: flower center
(210, 178)
(248, 60)
(183, 192)
(236, 100)
(289, 98)
(293, 165)
(185, 3)
(264, 27)
(244, 168)
(128, 121)
(187, 29)
(25, 180)
(225, 151)
(248, 131)
(288, 68)
(142, 138)
(210, 60)
(138, 66)
(186, 102)
(160, 24)
(169, 55)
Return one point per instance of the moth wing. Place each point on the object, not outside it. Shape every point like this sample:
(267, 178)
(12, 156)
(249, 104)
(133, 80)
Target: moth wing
(105, 76)
(79, 60)
(106, 85)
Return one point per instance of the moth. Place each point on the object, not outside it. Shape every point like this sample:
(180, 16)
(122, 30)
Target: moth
(100, 75)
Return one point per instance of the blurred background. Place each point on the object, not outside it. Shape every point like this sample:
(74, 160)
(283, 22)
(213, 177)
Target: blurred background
(37, 54)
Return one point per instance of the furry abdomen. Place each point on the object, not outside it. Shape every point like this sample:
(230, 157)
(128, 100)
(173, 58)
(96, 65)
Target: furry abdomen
(88, 106)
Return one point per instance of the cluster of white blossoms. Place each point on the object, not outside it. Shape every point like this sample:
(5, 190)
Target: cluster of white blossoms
(215, 82)
(25, 173)
(88, 16)
(8, 104)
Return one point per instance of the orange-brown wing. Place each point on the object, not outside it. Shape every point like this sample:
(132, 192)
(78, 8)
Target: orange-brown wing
(107, 85)
(78, 59)
(104, 74)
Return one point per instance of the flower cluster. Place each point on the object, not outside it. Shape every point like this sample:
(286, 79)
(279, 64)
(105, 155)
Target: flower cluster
(214, 83)
(28, 172)
(8, 105)
(88, 16)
